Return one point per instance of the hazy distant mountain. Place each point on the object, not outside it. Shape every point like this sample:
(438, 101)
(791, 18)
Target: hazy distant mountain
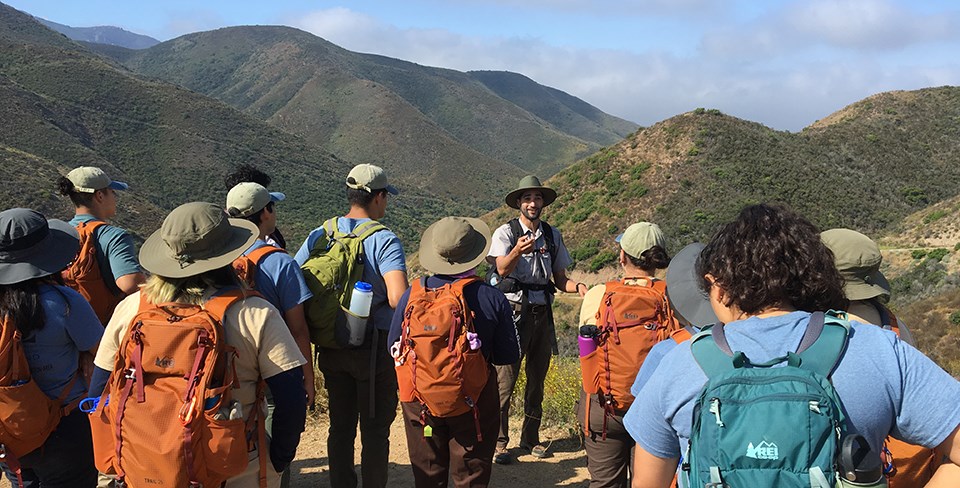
(103, 34)
(429, 123)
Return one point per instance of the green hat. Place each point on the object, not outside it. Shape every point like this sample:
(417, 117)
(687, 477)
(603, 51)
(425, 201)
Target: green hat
(195, 238)
(88, 179)
(530, 182)
(857, 259)
(453, 245)
(641, 236)
(248, 198)
(370, 178)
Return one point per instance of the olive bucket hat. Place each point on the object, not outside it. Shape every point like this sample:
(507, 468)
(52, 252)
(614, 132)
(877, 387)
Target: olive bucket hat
(858, 260)
(195, 238)
(32, 246)
(453, 245)
(528, 183)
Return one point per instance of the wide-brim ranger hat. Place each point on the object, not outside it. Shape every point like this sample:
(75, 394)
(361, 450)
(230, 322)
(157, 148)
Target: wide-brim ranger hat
(683, 287)
(32, 246)
(195, 238)
(528, 183)
(454, 245)
(88, 179)
(858, 260)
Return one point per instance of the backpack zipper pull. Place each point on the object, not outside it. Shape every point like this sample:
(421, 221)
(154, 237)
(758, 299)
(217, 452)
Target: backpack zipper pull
(815, 406)
(715, 409)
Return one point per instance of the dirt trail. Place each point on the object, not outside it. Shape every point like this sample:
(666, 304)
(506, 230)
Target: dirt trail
(567, 466)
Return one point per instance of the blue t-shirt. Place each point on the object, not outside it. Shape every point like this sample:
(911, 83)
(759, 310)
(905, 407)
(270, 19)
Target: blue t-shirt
(382, 253)
(116, 254)
(887, 386)
(70, 327)
(493, 320)
(279, 279)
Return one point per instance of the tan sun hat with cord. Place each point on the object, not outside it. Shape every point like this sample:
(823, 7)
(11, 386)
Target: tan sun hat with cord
(195, 238)
(528, 183)
(454, 245)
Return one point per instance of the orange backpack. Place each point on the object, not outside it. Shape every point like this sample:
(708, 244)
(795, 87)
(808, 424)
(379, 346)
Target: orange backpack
(27, 415)
(631, 320)
(246, 265)
(435, 364)
(166, 416)
(83, 275)
(906, 465)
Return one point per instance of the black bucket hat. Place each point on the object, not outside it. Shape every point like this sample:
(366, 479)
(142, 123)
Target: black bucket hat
(32, 246)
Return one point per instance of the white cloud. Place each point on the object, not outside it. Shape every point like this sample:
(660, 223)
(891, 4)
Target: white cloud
(649, 86)
(623, 7)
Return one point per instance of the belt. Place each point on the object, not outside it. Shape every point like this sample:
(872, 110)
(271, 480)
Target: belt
(532, 307)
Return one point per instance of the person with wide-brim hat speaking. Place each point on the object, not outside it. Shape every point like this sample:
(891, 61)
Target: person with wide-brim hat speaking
(460, 446)
(529, 263)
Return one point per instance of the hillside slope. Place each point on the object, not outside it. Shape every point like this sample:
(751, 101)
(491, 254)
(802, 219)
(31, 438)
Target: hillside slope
(374, 108)
(103, 34)
(63, 107)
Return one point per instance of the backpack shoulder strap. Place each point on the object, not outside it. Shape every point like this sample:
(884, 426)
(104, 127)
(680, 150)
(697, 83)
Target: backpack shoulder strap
(547, 232)
(259, 253)
(460, 284)
(887, 319)
(218, 304)
(330, 227)
(708, 353)
(367, 229)
(682, 334)
(515, 231)
(825, 350)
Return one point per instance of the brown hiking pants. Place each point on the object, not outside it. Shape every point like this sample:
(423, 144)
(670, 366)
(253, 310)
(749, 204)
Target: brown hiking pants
(608, 460)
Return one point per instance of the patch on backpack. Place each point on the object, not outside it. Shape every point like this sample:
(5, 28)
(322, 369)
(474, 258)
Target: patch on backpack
(765, 450)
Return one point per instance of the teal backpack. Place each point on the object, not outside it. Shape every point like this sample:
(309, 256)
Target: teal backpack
(755, 425)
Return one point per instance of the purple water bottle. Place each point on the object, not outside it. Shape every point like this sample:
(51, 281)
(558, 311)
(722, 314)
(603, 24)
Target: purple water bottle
(587, 339)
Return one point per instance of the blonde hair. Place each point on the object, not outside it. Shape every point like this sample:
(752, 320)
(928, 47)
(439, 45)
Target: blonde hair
(189, 290)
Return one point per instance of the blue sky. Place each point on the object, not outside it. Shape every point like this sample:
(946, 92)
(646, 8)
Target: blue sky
(784, 63)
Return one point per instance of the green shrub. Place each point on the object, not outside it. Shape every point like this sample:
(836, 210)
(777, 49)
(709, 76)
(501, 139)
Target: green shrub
(937, 254)
(956, 247)
(918, 253)
(601, 260)
(914, 195)
(955, 318)
(934, 216)
(561, 390)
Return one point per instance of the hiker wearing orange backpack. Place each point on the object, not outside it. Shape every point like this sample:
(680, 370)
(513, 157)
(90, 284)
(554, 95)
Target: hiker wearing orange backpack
(858, 260)
(106, 268)
(44, 328)
(186, 361)
(619, 324)
(447, 333)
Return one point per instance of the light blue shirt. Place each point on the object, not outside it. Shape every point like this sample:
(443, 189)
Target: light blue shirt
(279, 279)
(53, 351)
(887, 386)
(382, 253)
(116, 254)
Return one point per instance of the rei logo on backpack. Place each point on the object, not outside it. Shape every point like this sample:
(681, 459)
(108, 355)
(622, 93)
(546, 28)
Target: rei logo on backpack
(246, 264)
(335, 265)
(166, 416)
(632, 318)
(759, 425)
(84, 276)
(27, 415)
(436, 363)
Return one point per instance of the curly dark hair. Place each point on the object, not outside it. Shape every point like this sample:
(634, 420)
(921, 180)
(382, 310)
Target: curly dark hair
(770, 255)
(652, 259)
(247, 173)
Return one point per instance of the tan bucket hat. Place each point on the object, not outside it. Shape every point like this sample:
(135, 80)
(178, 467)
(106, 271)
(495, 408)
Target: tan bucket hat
(194, 238)
(453, 245)
(530, 182)
(858, 260)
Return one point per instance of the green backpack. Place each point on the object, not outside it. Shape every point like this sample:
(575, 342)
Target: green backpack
(335, 265)
(757, 425)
